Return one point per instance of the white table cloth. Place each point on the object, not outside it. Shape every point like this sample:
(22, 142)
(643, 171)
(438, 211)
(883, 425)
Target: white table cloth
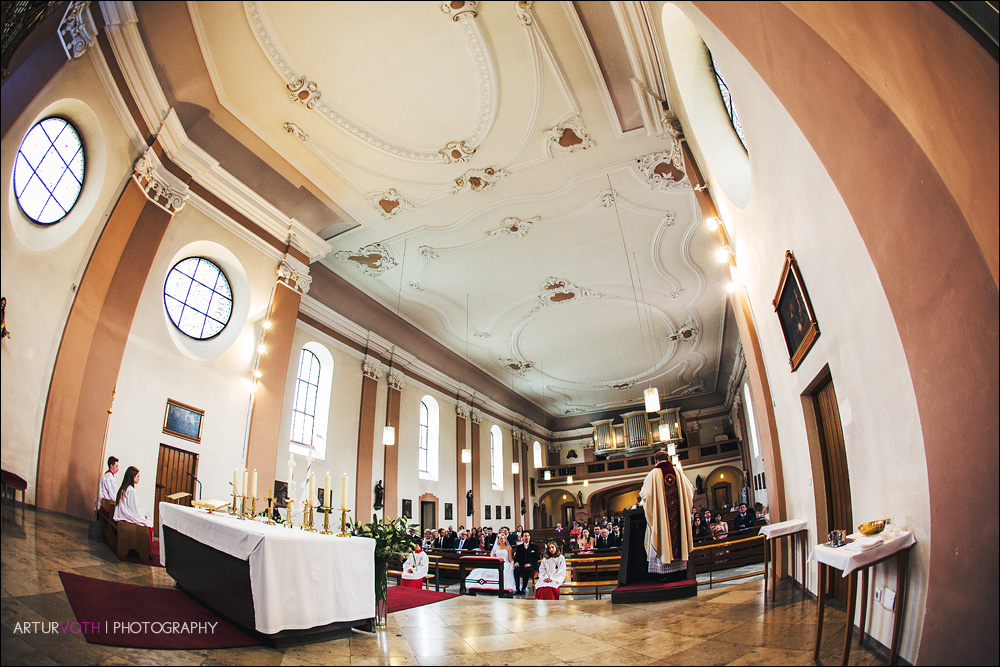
(299, 580)
(783, 528)
(849, 560)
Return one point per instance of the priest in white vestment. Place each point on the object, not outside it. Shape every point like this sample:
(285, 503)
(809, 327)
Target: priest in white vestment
(415, 568)
(667, 496)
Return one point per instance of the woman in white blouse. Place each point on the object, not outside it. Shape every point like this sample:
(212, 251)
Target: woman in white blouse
(551, 573)
(126, 509)
(415, 568)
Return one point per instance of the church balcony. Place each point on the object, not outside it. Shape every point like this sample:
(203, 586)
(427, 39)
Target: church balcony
(696, 456)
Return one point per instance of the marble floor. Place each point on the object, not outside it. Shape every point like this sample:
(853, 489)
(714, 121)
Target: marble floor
(731, 625)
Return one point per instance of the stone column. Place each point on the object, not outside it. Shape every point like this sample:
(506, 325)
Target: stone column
(391, 460)
(366, 439)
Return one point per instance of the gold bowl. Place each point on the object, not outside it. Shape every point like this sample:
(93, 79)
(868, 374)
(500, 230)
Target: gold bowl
(872, 527)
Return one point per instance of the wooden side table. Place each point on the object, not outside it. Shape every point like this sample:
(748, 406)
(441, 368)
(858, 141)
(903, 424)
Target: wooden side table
(775, 531)
(850, 562)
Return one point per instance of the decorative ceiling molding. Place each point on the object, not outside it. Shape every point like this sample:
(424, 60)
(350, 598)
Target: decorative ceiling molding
(513, 226)
(523, 9)
(158, 183)
(389, 203)
(664, 170)
(298, 280)
(517, 366)
(687, 332)
(559, 291)
(479, 180)
(457, 151)
(477, 46)
(77, 29)
(373, 260)
(567, 137)
(296, 131)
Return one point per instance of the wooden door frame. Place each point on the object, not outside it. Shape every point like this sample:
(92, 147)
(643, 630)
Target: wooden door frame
(158, 493)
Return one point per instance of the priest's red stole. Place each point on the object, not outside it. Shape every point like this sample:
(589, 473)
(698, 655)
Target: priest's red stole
(673, 509)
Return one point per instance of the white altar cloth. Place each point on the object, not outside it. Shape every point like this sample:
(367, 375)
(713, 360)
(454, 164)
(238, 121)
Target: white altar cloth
(299, 580)
(848, 561)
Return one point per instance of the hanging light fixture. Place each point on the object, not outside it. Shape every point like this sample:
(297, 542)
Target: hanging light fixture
(569, 479)
(671, 449)
(515, 468)
(664, 431)
(652, 398)
(547, 475)
(389, 435)
(586, 482)
(389, 431)
(466, 455)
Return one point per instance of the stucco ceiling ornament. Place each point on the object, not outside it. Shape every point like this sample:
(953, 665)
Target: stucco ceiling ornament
(456, 9)
(664, 170)
(523, 9)
(668, 219)
(457, 151)
(295, 131)
(76, 30)
(517, 366)
(304, 92)
(687, 332)
(389, 203)
(620, 386)
(479, 180)
(513, 226)
(558, 291)
(476, 45)
(156, 183)
(608, 198)
(567, 137)
(374, 259)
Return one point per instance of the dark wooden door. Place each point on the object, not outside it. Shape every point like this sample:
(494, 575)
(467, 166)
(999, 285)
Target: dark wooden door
(428, 515)
(721, 496)
(172, 477)
(836, 477)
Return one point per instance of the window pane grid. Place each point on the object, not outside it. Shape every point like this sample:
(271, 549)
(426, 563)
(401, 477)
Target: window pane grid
(198, 297)
(304, 403)
(423, 452)
(727, 99)
(48, 171)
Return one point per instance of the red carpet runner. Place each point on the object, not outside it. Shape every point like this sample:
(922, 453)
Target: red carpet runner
(117, 614)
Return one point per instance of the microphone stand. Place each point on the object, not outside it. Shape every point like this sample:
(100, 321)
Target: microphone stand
(199, 484)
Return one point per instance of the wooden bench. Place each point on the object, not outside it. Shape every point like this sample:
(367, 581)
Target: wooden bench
(13, 483)
(122, 536)
(585, 572)
(712, 557)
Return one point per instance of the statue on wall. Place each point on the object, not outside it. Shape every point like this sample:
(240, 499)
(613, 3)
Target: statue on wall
(379, 495)
(579, 498)
(524, 507)
(699, 485)
(468, 504)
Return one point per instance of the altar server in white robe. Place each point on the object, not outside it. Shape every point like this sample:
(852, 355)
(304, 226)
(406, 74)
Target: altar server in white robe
(108, 486)
(415, 568)
(126, 510)
(551, 573)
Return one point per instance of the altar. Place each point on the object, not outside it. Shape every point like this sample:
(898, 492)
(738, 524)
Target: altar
(287, 585)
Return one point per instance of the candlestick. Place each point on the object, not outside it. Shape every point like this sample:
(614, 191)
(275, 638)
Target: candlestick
(289, 508)
(343, 522)
(233, 509)
(270, 509)
(326, 518)
(307, 518)
(253, 508)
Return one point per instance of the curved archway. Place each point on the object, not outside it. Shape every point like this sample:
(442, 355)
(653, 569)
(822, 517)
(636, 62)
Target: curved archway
(557, 506)
(722, 488)
(614, 499)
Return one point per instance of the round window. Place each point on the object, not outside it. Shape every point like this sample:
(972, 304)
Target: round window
(198, 298)
(48, 171)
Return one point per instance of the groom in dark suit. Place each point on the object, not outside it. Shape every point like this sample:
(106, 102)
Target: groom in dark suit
(525, 563)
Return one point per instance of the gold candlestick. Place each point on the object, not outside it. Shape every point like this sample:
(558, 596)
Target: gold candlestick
(288, 512)
(343, 523)
(233, 510)
(307, 518)
(326, 520)
(243, 508)
(253, 508)
(270, 508)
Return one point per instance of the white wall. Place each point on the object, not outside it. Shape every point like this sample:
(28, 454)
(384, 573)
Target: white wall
(41, 267)
(794, 205)
(159, 363)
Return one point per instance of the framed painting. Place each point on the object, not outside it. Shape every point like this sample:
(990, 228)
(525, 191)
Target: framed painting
(183, 421)
(489, 512)
(449, 512)
(795, 312)
(407, 508)
(498, 515)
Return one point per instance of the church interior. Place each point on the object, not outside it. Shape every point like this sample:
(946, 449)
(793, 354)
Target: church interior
(447, 251)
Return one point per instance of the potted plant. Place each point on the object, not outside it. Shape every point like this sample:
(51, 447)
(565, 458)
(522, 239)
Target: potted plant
(392, 538)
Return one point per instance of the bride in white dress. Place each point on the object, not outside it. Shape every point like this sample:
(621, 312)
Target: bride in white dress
(485, 578)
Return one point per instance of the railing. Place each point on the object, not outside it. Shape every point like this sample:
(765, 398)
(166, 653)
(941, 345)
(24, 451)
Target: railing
(716, 451)
(711, 557)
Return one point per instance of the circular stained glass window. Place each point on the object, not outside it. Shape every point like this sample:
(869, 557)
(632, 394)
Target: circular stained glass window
(48, 172)
(198, 298)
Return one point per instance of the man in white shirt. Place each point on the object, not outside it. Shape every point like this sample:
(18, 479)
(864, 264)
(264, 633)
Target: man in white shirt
(109, 488)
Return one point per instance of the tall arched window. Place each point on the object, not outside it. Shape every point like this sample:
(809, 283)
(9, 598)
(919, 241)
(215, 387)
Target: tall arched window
(751, 420)
(311, 405)
(537, 451)
(496, 458)
(428, 439)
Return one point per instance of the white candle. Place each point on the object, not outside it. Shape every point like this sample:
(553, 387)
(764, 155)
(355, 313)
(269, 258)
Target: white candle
(329, 497)
(245, 487)
(236, 483)
(326, 487)
(253, 484)
(343, 492)
(312, 489)
(291, 467)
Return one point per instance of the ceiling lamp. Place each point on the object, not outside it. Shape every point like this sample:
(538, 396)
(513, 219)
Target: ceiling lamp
(671, 449)
(586, 482)
(389, 435)
(676, 461)
(466, 456)
(713, 223)
(722, 254)
(652, 398)
(547, 475)
(569, 479)
(664, 432)
(389, 432)
(515, 468)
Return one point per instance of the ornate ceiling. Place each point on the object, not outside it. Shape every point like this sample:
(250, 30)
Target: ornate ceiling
(490, 192)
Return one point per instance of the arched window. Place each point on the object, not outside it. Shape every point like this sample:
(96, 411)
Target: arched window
(496, 458)
(48, 170)
(311, 405)
(537, 450)
(428, 439)
(751, 420)
(198, 298)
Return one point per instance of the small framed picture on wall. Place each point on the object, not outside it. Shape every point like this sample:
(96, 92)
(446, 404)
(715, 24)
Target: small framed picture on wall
(795, 313)
(489, 512)
(449, 512)
(183, 421)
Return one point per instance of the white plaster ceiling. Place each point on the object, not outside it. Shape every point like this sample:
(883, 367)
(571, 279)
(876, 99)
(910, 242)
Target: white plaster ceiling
(437, 127)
